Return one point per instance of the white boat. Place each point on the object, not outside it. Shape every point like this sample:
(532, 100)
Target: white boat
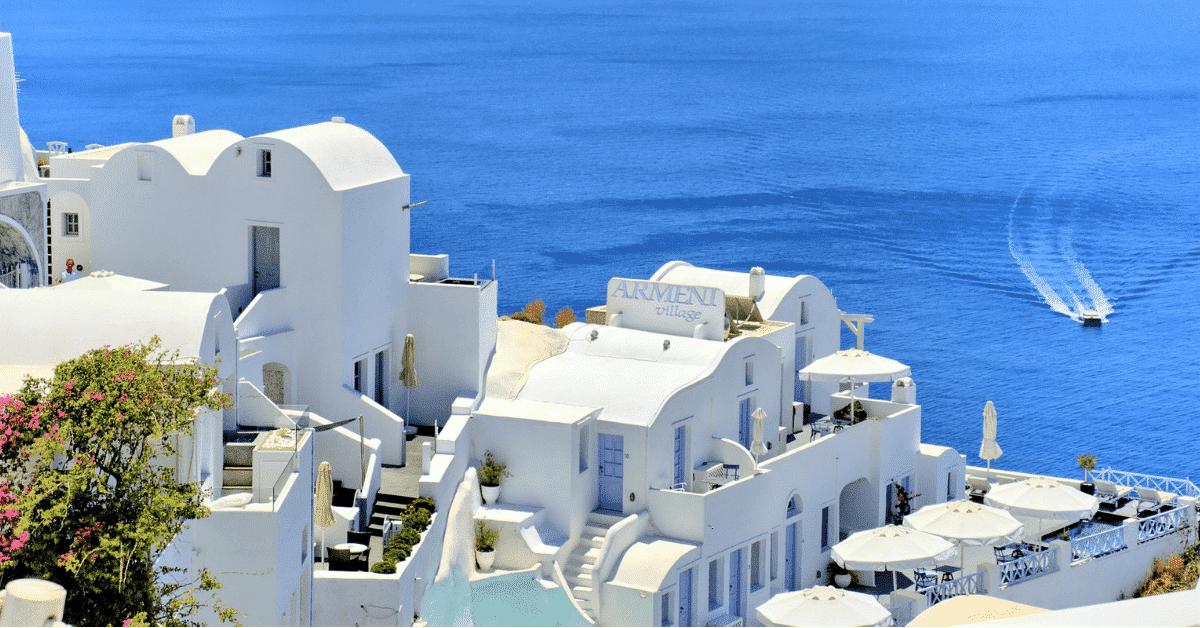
(1090, 318)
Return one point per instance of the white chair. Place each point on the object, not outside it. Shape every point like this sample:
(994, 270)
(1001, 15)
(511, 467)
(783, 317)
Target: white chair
(1154, 498)
(1110, 492)
(978, 486)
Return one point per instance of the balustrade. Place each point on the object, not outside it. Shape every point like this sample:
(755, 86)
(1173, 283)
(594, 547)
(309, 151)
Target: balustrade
(1099, 544)
(902, 613)
(1162, 524)
(1029, 566)
(967, 585)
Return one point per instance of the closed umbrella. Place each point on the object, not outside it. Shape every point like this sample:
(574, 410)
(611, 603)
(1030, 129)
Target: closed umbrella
(891, 548)
(408, 374)
(757, 447)
(1043, 498)
(989, 450)
(966, 523)
(323, 506)
(823, 606)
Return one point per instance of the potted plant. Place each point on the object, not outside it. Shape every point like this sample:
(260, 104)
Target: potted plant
(490, 473)
(485, 545)
(840, 575)
(1087, 462)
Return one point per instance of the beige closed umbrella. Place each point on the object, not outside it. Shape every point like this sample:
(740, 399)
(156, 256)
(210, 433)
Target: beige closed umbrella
(757, 446)
(408, 373)
(989, 450)
(323, 506)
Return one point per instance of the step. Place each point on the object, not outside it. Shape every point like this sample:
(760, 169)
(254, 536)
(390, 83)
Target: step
(592, 541)
(592, 530)
(603, 520)
(237, 476)
(581, 593)
(582, 580)
(591, 555)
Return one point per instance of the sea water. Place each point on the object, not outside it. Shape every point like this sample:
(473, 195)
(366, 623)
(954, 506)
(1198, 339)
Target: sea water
(970, 173)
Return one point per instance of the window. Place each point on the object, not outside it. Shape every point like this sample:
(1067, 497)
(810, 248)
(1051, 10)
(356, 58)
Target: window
(715, 584)
(381, 378)
(749, 372)
(825, 528)
(803, 312)
(360, 375)
(950, 486)
(774, 556)
(756, 582)
(71, 224)
(145, 165)
(665, 609)
(264, 162)
(583, 449)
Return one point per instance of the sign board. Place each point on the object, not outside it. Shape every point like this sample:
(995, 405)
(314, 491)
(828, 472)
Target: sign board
(667, 308)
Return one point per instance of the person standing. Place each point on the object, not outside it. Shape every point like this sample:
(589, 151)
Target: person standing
(70, 274)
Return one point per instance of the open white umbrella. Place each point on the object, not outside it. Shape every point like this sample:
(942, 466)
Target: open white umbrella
(1043, 498)
(862, 366)
(891, 548)
(757, 447)
(967, 523)
(322, 508)
(989, 450)
(823, 606)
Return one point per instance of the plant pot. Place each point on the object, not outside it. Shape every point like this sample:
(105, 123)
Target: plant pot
(485, 559)
(842, 580)
(1087, 487)
(491, 494)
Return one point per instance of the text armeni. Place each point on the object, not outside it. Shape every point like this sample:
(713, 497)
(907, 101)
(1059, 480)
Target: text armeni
(665, 293)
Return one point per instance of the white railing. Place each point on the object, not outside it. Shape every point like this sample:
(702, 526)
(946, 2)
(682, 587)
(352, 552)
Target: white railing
(1029, 566)
(1099, 544)
(1162, 524)
(1170, 485)
(966, 585)
(902, 613)
(9, 279)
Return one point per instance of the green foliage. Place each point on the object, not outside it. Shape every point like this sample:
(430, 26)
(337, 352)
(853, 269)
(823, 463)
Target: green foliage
(491, 471)
(85, 500)
(1087, 462)
(485, 537)
(1177, 573)
(415, 520)
(860, 414)
(424, 503)
(384, 566)
(409, 536)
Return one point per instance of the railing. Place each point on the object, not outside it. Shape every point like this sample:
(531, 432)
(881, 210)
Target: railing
(288, 471)
(967, 585)
(9, 279)
(1029, 566)
(1096, 545)
(902, 613)
(1162, 524)
(1170, 485)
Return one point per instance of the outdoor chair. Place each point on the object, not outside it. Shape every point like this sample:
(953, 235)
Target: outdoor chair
(1149, 498)
(1007, 553)
(978, 486)
(925, 579)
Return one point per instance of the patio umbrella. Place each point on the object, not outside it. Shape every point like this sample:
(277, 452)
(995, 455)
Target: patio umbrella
(1043, 498)
(408, 373)
(989, 450)
(966, 523)
(860, 365)
(891, 548)
(823, 606)
(322, 510)
(757, 447)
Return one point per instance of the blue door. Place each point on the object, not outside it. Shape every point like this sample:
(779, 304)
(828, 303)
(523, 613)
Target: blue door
(685, 598)
(744, 427)
(612, 468)
(789, 557)
(735, 583)
(680, 450)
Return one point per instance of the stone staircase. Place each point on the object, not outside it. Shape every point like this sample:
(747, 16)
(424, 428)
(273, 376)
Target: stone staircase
(582, 561)
(237, 474)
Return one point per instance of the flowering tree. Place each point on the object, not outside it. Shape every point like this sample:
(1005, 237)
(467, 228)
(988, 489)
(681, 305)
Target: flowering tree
(85, 500)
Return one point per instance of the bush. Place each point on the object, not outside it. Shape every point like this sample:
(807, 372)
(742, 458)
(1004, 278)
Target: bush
(565, 317)
(409, 536)
(397, 553)
(525, 317)
(491, 471)
(860, 414)
(424, 503)
(417, 519)
(1177, 573)
(384, 566)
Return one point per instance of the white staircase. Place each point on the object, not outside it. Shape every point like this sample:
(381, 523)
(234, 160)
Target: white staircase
(582, 562)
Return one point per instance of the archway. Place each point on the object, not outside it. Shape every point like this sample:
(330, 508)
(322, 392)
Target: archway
(857, 508)
(792, 542)
(19, 267)
(277, 383)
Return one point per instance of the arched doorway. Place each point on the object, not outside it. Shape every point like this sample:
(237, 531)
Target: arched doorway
(857, 508)
(792, 542)
(19, 267)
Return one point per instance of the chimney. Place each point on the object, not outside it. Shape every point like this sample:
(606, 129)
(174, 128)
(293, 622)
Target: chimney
(11, 165)
(758, 283)
(183, 125)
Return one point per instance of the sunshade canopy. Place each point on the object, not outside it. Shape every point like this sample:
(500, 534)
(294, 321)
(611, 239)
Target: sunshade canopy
(989, 450)
(966, 522)
(823, 606)
(892, 548)
(1043, 498)
(856, 364)
(322, 511)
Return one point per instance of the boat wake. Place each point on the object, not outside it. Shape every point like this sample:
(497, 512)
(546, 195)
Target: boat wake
(1055, 270)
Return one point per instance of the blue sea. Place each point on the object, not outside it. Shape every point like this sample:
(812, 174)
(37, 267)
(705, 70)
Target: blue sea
(966, 171)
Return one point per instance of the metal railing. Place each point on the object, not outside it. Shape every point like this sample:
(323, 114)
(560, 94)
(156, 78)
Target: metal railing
(902, 613)
(1098, 544)
(966, 585)
(1178, 486)
(1162, 524)
(1029, 566)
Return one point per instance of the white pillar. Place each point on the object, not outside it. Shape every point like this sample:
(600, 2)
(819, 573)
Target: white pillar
(32, 602)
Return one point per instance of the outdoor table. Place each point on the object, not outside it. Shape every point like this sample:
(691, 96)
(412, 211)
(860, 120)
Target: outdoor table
(352, 548)
(947, 571)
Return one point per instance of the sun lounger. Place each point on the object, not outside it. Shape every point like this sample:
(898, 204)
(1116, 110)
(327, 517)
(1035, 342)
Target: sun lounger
(1108, 491)
(1153, 498)
(978, 486)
